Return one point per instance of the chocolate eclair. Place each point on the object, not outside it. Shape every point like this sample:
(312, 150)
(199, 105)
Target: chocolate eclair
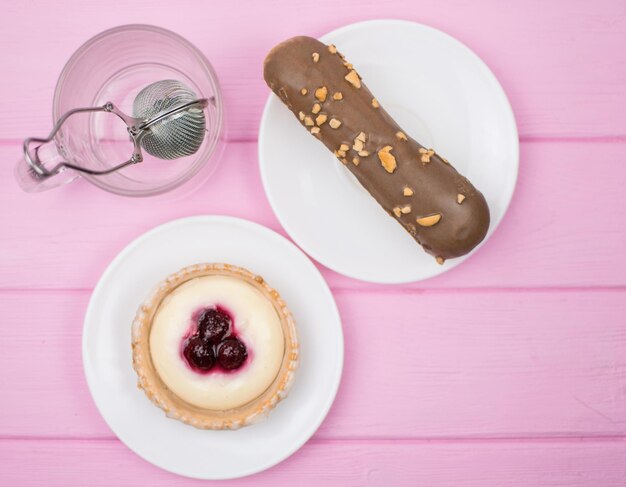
(439, 207)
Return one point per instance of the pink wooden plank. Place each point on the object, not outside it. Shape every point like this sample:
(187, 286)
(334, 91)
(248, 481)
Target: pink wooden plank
(562, 63)
(105, 463)
(564, 227)
(475, 364)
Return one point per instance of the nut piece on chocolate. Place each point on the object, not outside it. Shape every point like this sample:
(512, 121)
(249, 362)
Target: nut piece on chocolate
(440, 208)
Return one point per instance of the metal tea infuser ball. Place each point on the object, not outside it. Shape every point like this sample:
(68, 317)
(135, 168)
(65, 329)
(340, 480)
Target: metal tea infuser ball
(168, 122)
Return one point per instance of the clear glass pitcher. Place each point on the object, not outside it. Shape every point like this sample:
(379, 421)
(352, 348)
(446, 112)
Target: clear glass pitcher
(92, 113)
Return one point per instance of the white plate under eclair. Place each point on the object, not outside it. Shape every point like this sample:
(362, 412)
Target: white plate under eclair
(444, 96)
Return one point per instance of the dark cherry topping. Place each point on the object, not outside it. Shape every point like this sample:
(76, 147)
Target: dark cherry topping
(199, 353)
(232, 353)
(214, 346)
(213, 325)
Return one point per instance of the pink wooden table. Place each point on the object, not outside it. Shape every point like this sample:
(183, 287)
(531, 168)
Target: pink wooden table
(518, 370)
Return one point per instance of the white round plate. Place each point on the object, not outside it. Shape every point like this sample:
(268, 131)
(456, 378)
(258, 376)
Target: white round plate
(170, 444)
(444, 96)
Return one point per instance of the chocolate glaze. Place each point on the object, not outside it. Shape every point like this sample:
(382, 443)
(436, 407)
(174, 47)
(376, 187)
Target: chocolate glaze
(296, 68)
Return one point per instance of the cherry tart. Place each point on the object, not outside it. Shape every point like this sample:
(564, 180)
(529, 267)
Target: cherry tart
(214, 346)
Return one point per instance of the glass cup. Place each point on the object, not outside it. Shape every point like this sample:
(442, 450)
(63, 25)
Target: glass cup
(113, 67)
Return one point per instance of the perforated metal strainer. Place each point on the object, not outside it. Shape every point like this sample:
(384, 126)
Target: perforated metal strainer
(168, 122)
(180, 132)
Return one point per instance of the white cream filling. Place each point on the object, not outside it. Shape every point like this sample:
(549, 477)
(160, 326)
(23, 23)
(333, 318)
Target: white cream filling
(255, 320)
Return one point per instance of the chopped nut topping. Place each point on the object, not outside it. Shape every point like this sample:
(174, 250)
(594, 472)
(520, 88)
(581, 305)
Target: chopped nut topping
(375, 103)
(407, 191)
(315, 56)
(353, 79)
(440, 260)
(429, 221)
(356, 161)
(401, 136)
(460, 198)
(397, 211)
(321, 119)
(316, 108)
(315, 130)
(334, 123)
(406, 209)
(348, 65)
(358, 145)
(338, 96)
(332, 48)
(362, 137)
(344, 160)
(301, 116)
(445, 160)
(304, 91)
(321, 93)
(364, 153)
(387, 159)
(340, 153)
(344, 147)
(308, 121)
(425, 154)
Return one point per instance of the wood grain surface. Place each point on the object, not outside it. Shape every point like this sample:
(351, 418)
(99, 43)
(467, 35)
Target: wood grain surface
(513, 366)
(476, 363)
(558, 61)
(102, 463)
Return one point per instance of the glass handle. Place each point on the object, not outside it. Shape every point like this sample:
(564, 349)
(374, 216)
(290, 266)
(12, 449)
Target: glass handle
(44, 167)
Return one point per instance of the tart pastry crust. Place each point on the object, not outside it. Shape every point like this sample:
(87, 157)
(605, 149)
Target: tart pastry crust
(175, 407)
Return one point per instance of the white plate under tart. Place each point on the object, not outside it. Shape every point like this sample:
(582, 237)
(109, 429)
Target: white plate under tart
(107, 358)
